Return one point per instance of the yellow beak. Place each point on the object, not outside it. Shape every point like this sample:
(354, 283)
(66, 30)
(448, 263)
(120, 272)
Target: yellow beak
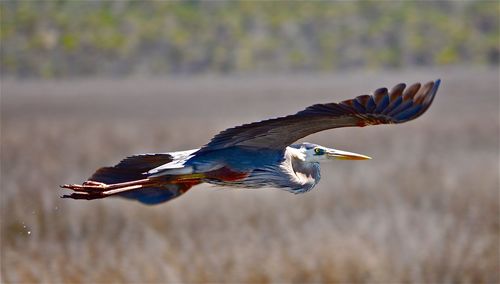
(344, 155)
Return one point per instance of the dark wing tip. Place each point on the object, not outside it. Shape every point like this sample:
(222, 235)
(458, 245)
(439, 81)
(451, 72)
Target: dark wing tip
(402, 103)
(414, 102)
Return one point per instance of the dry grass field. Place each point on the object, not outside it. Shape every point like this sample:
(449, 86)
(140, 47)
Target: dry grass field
(425, 209)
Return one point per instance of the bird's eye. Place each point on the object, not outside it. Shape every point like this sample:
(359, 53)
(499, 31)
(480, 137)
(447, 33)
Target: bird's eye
(318, 151)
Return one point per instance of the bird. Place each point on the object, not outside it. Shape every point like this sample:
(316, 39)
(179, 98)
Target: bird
(259, 154)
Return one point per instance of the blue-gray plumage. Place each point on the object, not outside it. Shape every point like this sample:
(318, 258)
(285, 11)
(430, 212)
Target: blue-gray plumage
(259, 154)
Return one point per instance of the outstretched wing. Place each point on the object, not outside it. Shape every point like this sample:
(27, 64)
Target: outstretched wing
(398, 105)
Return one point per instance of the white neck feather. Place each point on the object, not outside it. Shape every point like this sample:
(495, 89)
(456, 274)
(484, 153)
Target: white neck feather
(305, 174)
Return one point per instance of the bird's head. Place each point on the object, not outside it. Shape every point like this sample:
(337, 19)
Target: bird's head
(314, 153)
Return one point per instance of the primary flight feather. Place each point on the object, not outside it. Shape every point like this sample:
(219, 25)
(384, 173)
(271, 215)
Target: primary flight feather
(259, 154)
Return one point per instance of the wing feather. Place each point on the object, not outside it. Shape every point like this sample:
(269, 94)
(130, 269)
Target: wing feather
(398, 105)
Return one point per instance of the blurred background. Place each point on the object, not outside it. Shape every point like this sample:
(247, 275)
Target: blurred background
(118, 38)
(84, 84)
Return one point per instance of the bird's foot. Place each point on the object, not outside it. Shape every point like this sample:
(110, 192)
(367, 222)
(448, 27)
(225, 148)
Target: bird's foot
(85, 196)
(88, 186)
(93, 189)
(88, 190)
(94, 183)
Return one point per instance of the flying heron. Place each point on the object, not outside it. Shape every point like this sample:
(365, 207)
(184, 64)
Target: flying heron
(259, 154)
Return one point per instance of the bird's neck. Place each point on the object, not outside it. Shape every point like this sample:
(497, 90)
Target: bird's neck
(305, 173)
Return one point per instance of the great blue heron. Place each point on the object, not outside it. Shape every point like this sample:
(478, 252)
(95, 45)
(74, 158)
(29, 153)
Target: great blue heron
(258, 154)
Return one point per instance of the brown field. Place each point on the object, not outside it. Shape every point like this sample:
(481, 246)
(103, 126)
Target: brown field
(426, 209)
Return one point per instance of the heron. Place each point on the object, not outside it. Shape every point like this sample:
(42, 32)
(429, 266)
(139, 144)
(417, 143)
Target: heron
(259, 154)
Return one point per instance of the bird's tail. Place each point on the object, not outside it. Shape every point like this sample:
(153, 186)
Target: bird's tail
(130, 179)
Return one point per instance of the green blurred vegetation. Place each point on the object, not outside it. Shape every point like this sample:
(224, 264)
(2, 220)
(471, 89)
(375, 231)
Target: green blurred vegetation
(74, 38)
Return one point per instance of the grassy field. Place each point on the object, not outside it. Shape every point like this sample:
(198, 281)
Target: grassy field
(425, 209)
